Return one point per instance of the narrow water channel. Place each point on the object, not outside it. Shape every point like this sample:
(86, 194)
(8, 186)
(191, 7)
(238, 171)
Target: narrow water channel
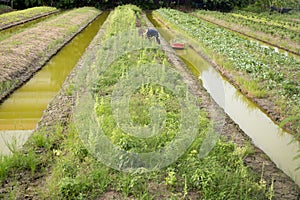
(24, 108)
(265, 134)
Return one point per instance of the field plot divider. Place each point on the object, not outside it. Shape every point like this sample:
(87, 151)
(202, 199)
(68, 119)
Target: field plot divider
(28, 20)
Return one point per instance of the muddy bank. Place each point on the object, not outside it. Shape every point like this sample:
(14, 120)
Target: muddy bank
(20, 64)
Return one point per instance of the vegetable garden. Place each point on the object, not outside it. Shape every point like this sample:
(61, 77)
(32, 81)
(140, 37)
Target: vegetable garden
(284, 31)
(259, 72)
(135, 123)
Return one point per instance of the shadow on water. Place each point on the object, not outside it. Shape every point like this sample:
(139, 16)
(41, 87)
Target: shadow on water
(265, 134)
(24, 108)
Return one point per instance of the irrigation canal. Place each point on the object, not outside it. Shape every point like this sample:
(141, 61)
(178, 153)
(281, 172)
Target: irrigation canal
(265, 134)
(20, 113)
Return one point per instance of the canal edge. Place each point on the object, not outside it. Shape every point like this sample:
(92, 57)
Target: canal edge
(36, 65)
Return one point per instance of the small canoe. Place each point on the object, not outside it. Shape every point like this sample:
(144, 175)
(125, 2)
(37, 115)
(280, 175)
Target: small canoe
(177, 45)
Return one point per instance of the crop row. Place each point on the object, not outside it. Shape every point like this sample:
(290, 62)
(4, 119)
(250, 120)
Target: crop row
(265, 73)
(287, 20)
(283, 30)
(25, 52)
(16, 16)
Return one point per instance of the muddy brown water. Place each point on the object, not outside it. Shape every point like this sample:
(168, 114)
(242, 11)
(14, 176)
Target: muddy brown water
(265, 134)
(20, 113)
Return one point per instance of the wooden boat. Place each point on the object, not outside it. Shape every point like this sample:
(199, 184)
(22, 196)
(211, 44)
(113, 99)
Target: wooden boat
(177, 45)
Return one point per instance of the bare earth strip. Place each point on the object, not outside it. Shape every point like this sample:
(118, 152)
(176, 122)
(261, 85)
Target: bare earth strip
(23, 54)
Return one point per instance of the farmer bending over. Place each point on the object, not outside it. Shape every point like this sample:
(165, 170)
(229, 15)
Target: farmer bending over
(151, 32)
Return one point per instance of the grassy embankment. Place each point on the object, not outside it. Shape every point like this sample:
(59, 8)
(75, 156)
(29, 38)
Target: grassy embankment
(23, 53)
(5, 9)
(22, 15)
(271, 79)
(277, 29)
(4, 34)
(71, 172)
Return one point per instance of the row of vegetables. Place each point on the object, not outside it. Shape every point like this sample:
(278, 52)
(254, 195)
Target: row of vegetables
(124, 62)
(279, 29)
(290, 20)
(272, 74)
(16, 16)
(287, 21)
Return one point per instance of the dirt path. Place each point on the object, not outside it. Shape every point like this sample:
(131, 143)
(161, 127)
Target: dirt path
(284, 187)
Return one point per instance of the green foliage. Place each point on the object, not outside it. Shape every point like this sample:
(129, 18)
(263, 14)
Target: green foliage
(122, 19)
(16, 16)
(264, 5)
(275, 24)
(76, 174)
(224, 5)
(4, 7)
(147, 5)
(18, 161)
(219, 175)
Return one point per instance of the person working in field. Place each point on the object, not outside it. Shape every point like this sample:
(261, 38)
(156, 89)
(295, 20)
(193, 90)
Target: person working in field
(150, 33)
